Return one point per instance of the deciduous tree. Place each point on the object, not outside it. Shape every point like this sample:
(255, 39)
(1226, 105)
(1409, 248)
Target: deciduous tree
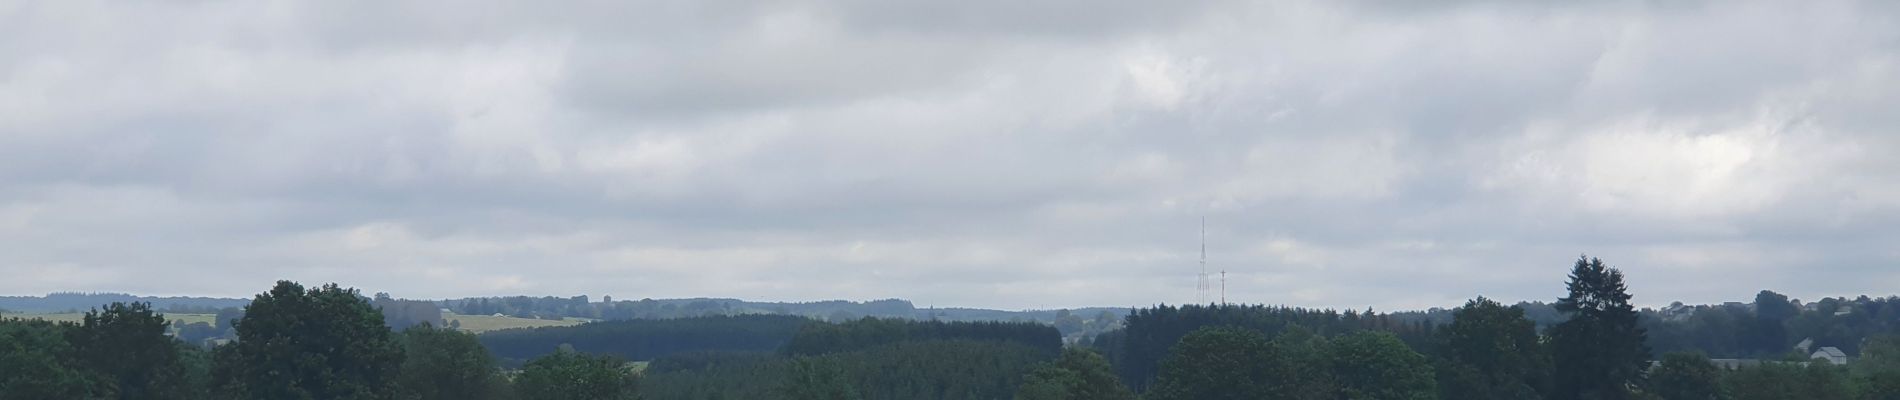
(1686, 376)
(567, 375)
(445, 364)
(36, 362)
(323, 343)
(1077, 375)
(1216, 363)
(1491, 352)
(1376, 365)
(128, 345)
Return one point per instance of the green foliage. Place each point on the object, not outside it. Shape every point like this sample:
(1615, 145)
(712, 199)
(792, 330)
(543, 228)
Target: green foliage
(401, 314)
(1150, 333)
(197, 332)
(1077, 375)
(648, 339)
(716, 375)
(1878, 370)
(62, 301)
(566, 375)
(1215, 363)
(818, 379)
(127, 344)
(1864, 318)
(1300, 357)
(1784, 381)
(1686, 376)
(817, 339)
(324, 343)
(1599, 352)
(923, 370)
(445, 364)
(1491, 352)
(1376, 365)
(117, 352)
(36, 362)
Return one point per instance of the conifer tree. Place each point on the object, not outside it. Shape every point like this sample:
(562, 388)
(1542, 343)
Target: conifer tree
(1599, 352)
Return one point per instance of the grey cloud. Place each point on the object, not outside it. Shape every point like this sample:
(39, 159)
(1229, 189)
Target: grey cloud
(1348, 154)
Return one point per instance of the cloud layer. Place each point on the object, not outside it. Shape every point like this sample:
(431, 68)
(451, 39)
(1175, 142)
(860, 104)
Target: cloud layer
(1045, 154)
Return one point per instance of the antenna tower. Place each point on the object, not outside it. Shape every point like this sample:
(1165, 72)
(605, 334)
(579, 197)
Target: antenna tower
(1203, 285)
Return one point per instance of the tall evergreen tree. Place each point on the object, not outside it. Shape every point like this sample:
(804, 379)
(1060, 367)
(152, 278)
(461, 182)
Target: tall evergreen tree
(1599, 352)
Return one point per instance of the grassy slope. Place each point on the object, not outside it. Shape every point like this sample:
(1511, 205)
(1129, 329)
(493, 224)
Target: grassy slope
(470, 323)
(75, 317)
(484, 323)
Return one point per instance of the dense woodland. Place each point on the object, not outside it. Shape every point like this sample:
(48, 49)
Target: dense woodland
(647, 339)
(1590, 343)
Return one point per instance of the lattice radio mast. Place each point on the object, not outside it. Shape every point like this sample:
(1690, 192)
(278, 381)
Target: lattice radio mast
(1203, 285)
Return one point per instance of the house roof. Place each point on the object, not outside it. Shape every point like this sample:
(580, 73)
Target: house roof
(1831, 352)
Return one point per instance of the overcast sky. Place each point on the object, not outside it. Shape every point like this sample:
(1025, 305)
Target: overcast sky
(1006, 154)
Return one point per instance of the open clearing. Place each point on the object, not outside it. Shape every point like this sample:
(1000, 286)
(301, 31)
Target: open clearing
(470, 323)
(75, 317)
(485, 323)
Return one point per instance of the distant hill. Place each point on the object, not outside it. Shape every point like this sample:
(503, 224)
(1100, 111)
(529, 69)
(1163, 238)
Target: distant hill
(1073, 323)
(76, 302)
(1090, 319)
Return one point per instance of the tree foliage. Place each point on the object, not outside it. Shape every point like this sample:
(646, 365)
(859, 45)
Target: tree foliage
(1878, 370)
(37, 362)
(1150, 333)
(1599, 352)
(1787, 380)
(322, 343)
(1078, 374)
(1491, 352)
(127, 344)
(1686, 376)
(447, 365)
(1219, 362)
(817, 339)
(567, 375)
(648, 339)
(1376, 365)
(924, 370)
(818, 379)
(330, 343)
(400, 314)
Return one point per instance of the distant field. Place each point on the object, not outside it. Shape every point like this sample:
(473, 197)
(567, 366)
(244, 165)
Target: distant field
(75, 317)
(470, 323)
(484, 323)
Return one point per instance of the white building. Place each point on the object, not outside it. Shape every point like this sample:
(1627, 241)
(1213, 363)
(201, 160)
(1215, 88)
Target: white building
(1832, 355)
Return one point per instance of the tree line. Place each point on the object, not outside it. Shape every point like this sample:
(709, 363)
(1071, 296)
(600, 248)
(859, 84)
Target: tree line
(327, 342)
(292, 343)
(1597, 350)
(1072, 323)
(647, 339)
